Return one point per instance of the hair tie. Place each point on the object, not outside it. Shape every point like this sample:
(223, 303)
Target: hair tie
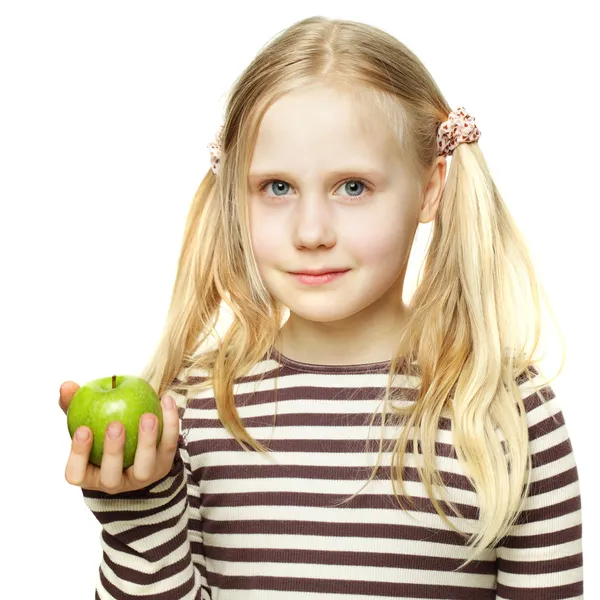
(215, 151)
(459, 128)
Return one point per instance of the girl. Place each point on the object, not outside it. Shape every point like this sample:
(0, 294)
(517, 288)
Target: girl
(336, 443)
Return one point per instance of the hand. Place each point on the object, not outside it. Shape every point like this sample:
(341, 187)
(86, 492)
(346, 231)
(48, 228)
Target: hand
(150, 463)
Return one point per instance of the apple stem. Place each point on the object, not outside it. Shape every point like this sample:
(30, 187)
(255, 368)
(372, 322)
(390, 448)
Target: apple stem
(114, 382)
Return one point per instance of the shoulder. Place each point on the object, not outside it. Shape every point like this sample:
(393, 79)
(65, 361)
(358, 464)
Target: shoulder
(546, 424)
(188, 382)
(539, 398)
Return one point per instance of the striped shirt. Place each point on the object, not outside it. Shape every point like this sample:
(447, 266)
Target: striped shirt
(228, 524)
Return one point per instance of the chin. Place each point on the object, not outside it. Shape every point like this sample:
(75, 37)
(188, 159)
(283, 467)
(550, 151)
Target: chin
(320, 304)
(320, 310)
(319, 316)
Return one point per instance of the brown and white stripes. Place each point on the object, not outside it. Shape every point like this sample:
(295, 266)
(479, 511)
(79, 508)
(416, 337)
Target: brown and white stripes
(226, 524)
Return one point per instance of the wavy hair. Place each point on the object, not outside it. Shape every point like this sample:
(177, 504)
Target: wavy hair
(474, 318)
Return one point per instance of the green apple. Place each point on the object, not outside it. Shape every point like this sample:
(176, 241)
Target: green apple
(123, 398)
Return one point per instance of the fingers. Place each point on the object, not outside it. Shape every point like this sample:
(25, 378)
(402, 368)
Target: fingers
(77, 471)
(67, 390)
(150, 463)
(111, 467)
(144, 463)
(170, 436)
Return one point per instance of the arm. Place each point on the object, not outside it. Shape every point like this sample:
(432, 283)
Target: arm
(541, 557)
(146, 539)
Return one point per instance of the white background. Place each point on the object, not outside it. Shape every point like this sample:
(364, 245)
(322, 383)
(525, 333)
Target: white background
(107, 109)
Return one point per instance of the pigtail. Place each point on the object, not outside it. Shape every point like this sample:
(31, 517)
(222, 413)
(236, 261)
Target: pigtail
(473, 330)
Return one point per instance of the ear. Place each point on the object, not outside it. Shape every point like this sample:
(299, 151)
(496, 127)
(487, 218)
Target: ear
(433, 191)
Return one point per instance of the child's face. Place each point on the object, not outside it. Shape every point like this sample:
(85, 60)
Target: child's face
(315, 214)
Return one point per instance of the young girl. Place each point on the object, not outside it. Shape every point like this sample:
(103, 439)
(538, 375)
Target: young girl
(336, 443)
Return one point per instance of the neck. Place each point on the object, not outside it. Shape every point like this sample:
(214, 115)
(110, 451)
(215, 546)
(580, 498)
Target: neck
(341, 342)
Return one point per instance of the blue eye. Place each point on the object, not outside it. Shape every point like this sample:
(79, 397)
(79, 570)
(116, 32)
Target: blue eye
(281, 186)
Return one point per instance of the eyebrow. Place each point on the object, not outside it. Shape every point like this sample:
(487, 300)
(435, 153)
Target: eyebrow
(367, 172)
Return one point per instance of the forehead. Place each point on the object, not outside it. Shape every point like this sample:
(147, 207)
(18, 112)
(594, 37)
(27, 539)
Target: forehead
(321, 125)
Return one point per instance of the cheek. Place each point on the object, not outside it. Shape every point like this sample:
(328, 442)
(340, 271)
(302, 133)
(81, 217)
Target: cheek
(381, 242)
(266, 240)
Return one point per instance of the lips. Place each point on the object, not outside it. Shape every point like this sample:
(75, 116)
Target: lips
(319, 272)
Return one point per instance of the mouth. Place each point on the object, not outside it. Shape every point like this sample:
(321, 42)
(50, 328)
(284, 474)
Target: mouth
(319, 272)
(320, 278)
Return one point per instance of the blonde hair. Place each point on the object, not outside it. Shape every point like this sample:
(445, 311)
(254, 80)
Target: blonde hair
(468, 331)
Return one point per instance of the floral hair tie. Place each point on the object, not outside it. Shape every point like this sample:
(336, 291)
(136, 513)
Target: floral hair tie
(459, 128)
(215, 151)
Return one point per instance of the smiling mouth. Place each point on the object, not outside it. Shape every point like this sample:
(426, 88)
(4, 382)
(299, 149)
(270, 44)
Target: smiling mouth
(319, 272)
(323, 278)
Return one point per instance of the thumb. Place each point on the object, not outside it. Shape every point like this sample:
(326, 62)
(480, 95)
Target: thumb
(67, 390)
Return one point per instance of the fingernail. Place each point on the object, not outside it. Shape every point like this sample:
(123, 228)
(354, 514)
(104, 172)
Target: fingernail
(114, 431)
(147, 422)
(81, 435)
(168, 402)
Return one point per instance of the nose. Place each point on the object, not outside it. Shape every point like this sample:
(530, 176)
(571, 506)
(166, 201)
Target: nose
(313, 224)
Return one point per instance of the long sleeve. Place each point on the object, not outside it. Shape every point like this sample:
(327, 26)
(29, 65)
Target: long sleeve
(149, 549)
(542, 558)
